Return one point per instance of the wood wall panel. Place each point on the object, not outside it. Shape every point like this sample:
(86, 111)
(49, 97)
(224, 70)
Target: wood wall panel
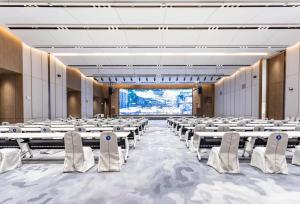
(10, 51)
(73, 79)
(11, 94)
(207, 100)
(74, 104)
(276, 86)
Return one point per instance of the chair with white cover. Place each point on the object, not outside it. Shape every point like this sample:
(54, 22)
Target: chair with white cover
(223, 128)
(77, 157)
(278, 123)
(10, 158)
(24, 147)
(45, 129)
(118, 129)
(193, 143)
(5, 123)
(80, 129)
(225, 158)
(209, 124)
(271, 159)
(111, 157)
(241, 123)
(249, 144)
(296, 156)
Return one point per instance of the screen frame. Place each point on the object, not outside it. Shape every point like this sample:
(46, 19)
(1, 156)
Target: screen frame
(167, 115)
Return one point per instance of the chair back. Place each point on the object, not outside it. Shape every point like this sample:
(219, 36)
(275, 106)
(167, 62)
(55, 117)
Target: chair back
(278, 123)
(223, 128)
(5, 123)
(277, 143)
(118, 129)
(259, 128)
(15, 129)
(275, 151)
(109, 152)
(209, 124)
(73, 150)
(241, 123)
(45, 129)
(297, 128)
(229, 150)
(80, 129)
(200, 128)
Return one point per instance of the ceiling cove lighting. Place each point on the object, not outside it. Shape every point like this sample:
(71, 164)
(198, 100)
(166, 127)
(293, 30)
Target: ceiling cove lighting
(163, 54)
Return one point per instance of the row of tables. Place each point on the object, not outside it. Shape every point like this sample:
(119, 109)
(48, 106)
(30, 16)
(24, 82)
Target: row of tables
(58, 128)
(187, 126)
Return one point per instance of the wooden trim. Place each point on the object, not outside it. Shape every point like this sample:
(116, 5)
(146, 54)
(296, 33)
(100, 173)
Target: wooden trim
(260, 90)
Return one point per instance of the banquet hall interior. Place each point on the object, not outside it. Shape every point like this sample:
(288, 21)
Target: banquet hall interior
(150, 102)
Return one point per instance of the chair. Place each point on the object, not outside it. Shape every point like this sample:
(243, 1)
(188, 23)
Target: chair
(80, 129)
(278, 123)
(195, 140)
(225, 158)
(45, 129)
(111, 157)
(296, 156)
(297, 128)
(10, 158)
(271, 159)
(223, 128)
(249, 144)
(24, 147)
(241, 123)
(209, 124)
(118, 129)
(5, 123)
(77, 157)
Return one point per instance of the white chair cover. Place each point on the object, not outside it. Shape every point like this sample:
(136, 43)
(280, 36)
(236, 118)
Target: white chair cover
(5, 123)
(77, 157)
(223, 128)
(225, 158)
(195, 140)
(10, 158)
(278, 123)
(271, 159)
(111, 157)
(45, 129)
(296, 156)
(24, 147)
(118, 129)
(80, 129)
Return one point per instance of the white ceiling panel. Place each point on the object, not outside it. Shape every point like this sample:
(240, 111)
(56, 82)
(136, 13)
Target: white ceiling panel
(94, 15)
(180, 37)
(141, 15)
(34, 37)
(144, 37)
(71, 37)
(188, 15)
(105, 37)
(33, 15)
(215, 37)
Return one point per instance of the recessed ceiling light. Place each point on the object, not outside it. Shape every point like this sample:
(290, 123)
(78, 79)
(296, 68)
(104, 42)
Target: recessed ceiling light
(68, 54)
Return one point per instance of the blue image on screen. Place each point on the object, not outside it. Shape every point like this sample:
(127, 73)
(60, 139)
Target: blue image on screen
(155, 101)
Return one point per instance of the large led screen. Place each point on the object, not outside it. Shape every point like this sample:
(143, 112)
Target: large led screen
(155, 101)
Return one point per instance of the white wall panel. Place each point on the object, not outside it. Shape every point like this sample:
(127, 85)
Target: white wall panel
(241, 93)
(292, 87)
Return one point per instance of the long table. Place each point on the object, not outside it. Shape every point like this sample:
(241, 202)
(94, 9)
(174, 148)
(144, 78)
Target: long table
(260, 134)
(60, 135)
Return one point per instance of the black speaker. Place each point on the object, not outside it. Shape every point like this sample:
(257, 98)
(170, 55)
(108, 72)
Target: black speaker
(199, 89)
(110, 90)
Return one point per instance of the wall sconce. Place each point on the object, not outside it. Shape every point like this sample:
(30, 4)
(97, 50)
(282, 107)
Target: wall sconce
(291, 89)
(59, 75)
(254, 77)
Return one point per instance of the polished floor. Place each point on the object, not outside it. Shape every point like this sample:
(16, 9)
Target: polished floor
(159, 170)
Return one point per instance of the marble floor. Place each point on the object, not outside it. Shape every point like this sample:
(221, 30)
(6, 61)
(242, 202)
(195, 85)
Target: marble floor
(159, 170)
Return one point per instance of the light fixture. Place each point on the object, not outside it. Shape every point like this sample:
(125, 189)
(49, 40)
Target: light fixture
(69, 54)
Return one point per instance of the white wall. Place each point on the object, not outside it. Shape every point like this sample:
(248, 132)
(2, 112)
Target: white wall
(238, 94)
(58, 89)
(35, 84)
(86, 97)
(292, 81)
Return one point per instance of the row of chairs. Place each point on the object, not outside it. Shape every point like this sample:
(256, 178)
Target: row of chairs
(77, 157)
(269, 159)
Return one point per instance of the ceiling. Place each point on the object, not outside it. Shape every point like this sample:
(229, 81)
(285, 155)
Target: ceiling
(157, 29)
